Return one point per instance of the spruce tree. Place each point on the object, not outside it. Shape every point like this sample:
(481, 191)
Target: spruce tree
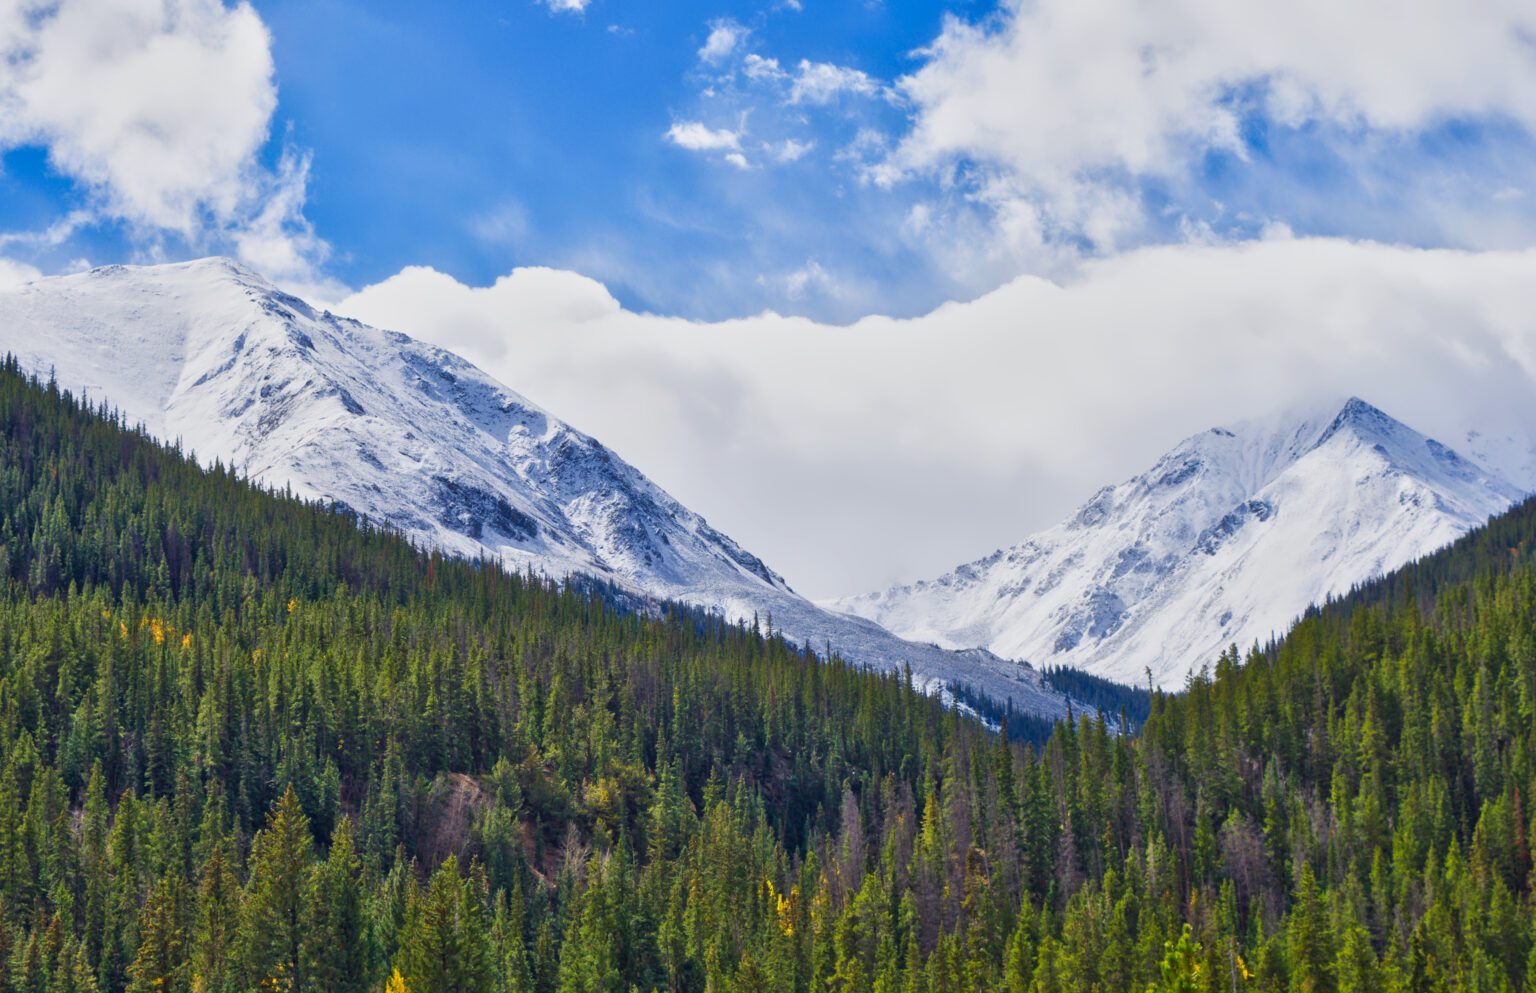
(272, 926)
(445, 944)
(335, 951)
(162, 963)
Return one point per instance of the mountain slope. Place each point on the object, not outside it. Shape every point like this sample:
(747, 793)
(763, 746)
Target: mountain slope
(414, 437)
(1228, 538)
(214, 699)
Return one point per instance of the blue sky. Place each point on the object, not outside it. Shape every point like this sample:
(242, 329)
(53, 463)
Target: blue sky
(480, 136)
(477, 137)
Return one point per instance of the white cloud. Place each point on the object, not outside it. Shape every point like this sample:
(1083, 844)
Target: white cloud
(724, 38)
(812, 278)
(1069, 99)
(567, 6)
(762, 69)
(277, 238)
(699, 137)
(816, 83)
(790, 150)
(853, 456)
(54, 234)
(505, 224)
(823, 82)
(808, 277)
(13, 273)
(159, 108)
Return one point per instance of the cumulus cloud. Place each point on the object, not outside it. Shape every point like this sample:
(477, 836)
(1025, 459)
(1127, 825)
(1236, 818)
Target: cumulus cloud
(791, 150)
(760, 68)
(850, 456)
(809, 83)
(696, 136)
(785, 104)
(567, 6)
(1066, 101)
(823, 82)
(159, 108)
(724, 38)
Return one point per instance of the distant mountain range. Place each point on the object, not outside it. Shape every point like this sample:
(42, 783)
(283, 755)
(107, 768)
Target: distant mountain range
(410, 436)
(1225, 540)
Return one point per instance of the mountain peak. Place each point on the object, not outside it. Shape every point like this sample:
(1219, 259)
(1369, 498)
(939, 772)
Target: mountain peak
(1363, 417)
(412, 437)
(1226, 539)
(216, 266)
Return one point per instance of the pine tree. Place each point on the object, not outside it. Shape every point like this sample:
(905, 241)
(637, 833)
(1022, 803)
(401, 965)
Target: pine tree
(1356, 969)
(272, 926)
(589, 960)
(335, 950)
(516, 975)
(1312, 953)
(445, 945)
(161, 965)
(217, 926)
(1180, 970)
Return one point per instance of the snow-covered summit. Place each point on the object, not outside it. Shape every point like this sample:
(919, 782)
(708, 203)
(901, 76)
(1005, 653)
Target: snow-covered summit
(1226, 539)
(409, 435)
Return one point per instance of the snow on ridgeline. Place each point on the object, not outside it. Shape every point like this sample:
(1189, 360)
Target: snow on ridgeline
(1227, 539)
(212, 355)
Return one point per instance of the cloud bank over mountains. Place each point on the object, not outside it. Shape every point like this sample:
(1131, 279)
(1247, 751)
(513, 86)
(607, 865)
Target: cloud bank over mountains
(852, 456)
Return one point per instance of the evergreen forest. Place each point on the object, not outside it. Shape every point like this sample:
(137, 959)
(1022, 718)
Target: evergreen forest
(248, 743)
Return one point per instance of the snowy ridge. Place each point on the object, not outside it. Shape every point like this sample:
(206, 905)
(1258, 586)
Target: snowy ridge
(408, 435)
(1506, 455)
(1227, 539)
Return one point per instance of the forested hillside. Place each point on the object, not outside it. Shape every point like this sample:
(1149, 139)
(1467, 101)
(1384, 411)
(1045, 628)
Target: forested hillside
(247, 745)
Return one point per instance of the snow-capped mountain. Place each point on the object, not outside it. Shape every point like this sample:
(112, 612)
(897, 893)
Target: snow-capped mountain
(210, 354)
(1227, 539)
(1509, 455)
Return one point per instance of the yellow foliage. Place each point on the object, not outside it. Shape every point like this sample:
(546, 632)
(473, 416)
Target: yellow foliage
(158, 630)
(186, 641)
(784, 908)
(293, 604)
(605, 798)
(396, 983)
